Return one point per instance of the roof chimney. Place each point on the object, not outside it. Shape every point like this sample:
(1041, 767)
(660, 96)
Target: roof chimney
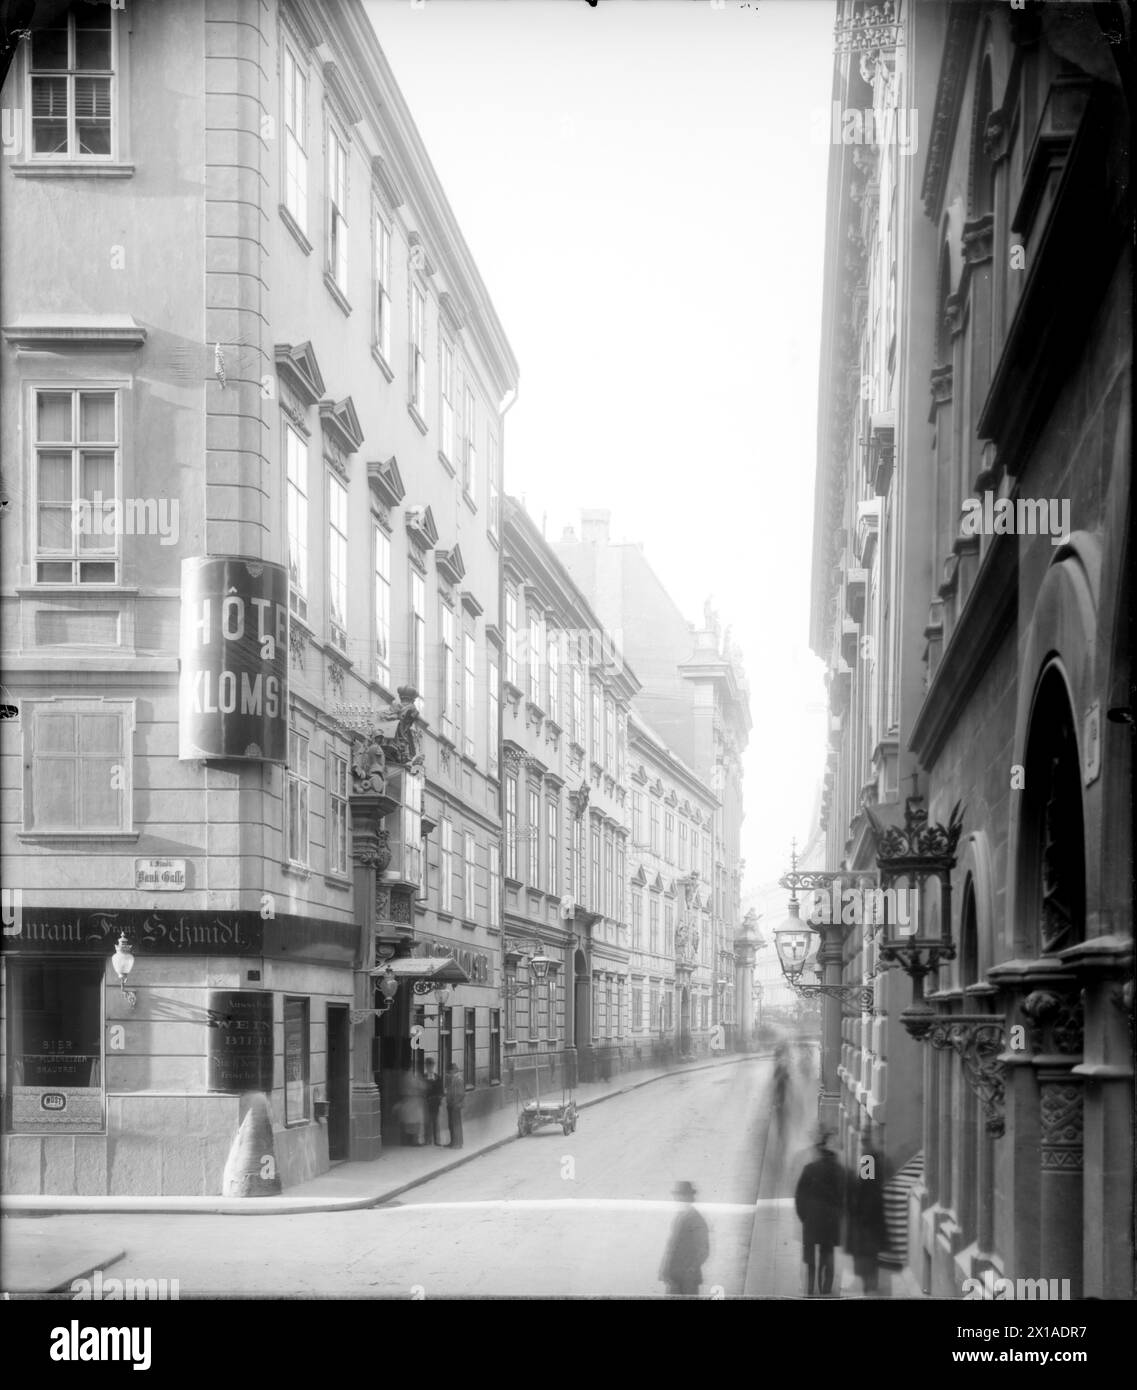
(594, 527)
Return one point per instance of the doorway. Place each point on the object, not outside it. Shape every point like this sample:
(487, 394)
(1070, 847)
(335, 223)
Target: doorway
(339, 1082)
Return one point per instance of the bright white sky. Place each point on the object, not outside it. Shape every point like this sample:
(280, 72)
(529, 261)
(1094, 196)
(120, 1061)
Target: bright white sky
(640, 190)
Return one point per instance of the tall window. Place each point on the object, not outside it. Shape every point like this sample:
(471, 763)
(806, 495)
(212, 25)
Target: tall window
(653, 923)
(469, 1053)
(495, 1045)
(609, 874)
(655, 837)
(296, 456)
(71, 73)
(295, 140)
(446, 868)
(552, 848)
(418, 630)
(382, 607)
(449, 668)
(554, 696)
(577, 705)
(297, 797)
(493, 853)
(337, 561)
(597, 705)
(296, 1061)
(637, 919)
(511, 827)
(381, 327)
(470, 875)
(494, 713)
(418, 351)
(619, 908)
(669, 837)
(470, 451)
(637, 1008)
(337, 208)
(594, 868)
(637, 818)
(695, 851)
(337, 814)
(446, 388)
(77, 440)
(511, 637)
(609, 735)
(621, 728)
(493, 469)
(72, 751)
(535, 657)
(469, 692)
(534, 837)
(411, 848)
(669, 928)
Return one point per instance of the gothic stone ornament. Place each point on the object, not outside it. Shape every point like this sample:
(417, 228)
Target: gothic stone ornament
(369, 768)
(296, 645)
(378, 856)
(1055, 1021)
(1062, 1121)
(335, 677)
(977, 1042)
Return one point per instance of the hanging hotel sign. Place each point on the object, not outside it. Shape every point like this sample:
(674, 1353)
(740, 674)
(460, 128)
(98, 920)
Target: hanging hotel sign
(240, 1041)
(233, 689)
(160, 875)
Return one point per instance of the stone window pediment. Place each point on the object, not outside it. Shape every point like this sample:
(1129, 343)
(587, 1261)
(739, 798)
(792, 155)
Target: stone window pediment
(299, 367)
(421, 527)
(341, 422)
(385, 482)
(451, 564)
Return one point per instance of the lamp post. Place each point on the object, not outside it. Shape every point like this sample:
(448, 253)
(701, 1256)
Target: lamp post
(388, 987)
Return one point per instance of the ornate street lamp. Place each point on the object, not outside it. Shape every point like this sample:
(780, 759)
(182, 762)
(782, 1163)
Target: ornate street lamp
(792, 939)
(918, 860)
(532, 953)
(122, 962)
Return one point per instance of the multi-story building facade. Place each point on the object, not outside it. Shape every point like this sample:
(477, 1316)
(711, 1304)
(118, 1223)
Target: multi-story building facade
(693, 694)
(565, 695)
(980, 544)
(671, 823)
(258, 400)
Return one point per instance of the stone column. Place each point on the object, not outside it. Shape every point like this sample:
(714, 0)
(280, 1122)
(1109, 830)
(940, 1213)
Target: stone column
(829, 958)
(370, 857)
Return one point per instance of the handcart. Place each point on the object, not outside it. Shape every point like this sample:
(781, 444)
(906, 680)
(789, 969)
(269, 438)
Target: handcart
(532, 1114)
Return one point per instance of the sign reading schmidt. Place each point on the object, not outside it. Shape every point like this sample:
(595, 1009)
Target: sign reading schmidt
(233, 692)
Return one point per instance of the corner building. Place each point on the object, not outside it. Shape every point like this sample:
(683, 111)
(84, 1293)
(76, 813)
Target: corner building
(271, 348)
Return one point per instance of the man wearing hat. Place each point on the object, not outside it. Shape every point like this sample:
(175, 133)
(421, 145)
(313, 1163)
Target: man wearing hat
(688, 1246)
(819, 1198)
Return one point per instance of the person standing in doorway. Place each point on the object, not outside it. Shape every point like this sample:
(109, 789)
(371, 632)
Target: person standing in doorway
(819, 1197)
(455, 1099)
(688, 1246)
(435, 1092)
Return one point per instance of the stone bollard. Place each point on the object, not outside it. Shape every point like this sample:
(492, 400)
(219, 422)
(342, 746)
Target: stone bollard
(250, 1170)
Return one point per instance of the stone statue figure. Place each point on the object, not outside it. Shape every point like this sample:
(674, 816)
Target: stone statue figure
(404, 713)
(369, 769)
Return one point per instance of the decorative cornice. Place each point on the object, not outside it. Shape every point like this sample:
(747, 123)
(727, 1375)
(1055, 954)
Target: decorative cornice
(421, 528)
(471, 604)
(386, 482)
(339, 418)
(419, 256)
(451, 312)
(71, 332)
(299, 365)
(388, 188)
(977, 239)
(962, 20)
(451, 564)
(337, 89)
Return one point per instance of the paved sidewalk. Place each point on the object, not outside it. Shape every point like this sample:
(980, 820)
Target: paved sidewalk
(351, 1186)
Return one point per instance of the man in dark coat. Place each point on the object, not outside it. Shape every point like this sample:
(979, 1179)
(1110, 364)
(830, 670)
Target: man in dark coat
(688, 1246)
(866, 1231)
(434, 1096)
(455, 1099)
(819, 1197)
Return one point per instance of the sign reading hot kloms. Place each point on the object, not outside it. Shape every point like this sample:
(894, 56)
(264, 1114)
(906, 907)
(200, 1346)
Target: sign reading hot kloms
(233, 691)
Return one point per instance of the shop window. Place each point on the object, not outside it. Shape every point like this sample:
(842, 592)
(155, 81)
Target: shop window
(495, 1044)
(470, 1048)
(296, 1061)
(55, 1069)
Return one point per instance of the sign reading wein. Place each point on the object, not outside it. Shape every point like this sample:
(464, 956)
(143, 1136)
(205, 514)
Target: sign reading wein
(240, 1041)
(233, 690)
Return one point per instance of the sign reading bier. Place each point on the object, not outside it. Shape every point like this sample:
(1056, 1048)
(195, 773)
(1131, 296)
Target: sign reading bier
(233, 692)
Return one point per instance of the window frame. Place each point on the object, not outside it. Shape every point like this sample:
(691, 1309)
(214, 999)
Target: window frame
(382, 605)
(511, 617)
(335, 257)
(552, 846)
(417, 620)
(536, 657)
(71, 72)
(469, 874)
(448, 640)
(298, 587)
(446, 380)
(446, 865)
(381, 285)
(303, 784)
(32, 710)
(337, 546)
(418, 381)
(338, 833)
(299, 215)
(74, 556)
(493, 859)
(470, 446)
(510, 820)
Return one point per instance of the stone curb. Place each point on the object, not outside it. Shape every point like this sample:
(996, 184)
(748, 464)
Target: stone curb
(300, 1206)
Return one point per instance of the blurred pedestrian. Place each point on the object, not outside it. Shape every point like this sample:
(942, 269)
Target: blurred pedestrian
(435, 1091)
(413, 1109)
(688, 1246)
(818, 1198)
(455, 1099)
(866, 1231)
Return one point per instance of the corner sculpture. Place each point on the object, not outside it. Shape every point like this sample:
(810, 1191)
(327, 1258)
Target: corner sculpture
(379, 750)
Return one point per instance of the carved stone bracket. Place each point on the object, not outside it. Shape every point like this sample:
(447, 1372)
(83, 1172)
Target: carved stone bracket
(977, 1041)
(1056, 1021)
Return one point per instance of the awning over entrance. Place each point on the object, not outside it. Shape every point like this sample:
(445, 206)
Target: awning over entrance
(441, 970)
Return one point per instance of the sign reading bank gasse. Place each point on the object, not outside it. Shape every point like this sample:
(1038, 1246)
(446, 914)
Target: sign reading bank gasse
(233, 689)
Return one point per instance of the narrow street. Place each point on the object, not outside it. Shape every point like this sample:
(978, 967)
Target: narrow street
(585, 1215)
